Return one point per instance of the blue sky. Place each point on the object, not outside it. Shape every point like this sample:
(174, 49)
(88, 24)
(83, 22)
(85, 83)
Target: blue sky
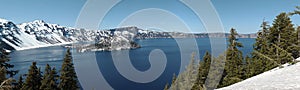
(244, 15)
(247, 15)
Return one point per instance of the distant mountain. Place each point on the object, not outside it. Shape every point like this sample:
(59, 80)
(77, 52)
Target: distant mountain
(41, 34)
(144, 34)
(222, 35)
(35, 34)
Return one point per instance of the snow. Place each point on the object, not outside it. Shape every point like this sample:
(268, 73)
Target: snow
(143, 31)
(48, 34)
(38, 34)
(275, 79)
(298, 59)
(41, 46)
(10, 44)
(3, 21)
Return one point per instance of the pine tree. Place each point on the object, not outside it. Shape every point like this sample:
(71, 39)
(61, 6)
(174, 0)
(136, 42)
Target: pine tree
(7, 84)
(166, 86)
(216, 73)
(33, 79)
(249, 68)
(172, 83)
(20, 83)
(68, 78)
(46, 78)
(174, 78)
(54, 78)
(296, 12)
(234, 61)
(283, 38)
(263, 47)
(186, 79)
(294, 48)
(5, 69)
(39, 77)
(2, 74)
(5, 66)
(298, 36)
(207, 62)
(49, 81)
(203, 71)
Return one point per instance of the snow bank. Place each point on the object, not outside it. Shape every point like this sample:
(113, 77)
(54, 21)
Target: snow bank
(276, 79)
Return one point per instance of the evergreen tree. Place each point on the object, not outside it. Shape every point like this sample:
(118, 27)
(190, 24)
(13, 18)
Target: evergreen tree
(172, 83)
(216, 73)
(294, 48)
(283, 38)
(294, 51)
(5, 69)
(54, 78)
(203, 71)
(2, 74)
(186, 79)
(234, 61)
(249, 68)
(33, 79)
(298, 35)
(19, 83)
(5, 66)
(39, 77)
(49, 81)
(46, 78)
(68, 78)
(7, 84)
(167, 86)
(263, 47)
(174, 78)
(207, 62)
(296, 12)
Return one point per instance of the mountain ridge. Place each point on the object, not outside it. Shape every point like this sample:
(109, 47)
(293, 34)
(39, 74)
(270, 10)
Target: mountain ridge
(39, 33)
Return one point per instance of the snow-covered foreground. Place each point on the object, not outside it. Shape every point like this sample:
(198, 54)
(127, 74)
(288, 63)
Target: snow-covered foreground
(287, 78)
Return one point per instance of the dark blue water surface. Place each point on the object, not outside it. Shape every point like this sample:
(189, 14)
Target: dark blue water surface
(138, 57)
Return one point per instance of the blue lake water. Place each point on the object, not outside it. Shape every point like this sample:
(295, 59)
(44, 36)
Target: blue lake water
(172, 49)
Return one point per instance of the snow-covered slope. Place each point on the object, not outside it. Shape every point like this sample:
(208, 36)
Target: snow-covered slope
(287, 78)
(41, 34)
(48, 33)
(13, 38)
